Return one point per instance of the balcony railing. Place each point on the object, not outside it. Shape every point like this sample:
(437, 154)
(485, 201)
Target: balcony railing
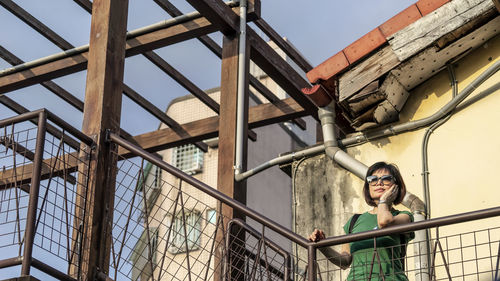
(182, 234)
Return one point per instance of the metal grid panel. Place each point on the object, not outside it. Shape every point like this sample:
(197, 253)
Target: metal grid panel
(464, 256)
(58, 224)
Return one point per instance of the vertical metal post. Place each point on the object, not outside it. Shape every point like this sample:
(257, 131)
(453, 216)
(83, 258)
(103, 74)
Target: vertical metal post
(29, 233)
(311, 263)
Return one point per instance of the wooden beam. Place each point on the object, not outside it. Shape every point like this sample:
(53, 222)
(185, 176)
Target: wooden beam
(366, 72)
(289, 50)
(155, 111)
(262, 89)
(22, 175)
(259, 116)
(35, 24)
(75, 63)
(217, 50)
(19, 109)
(280, 71)
(49, 85)
(182, 80)
(103, 96)
(30, 155)
(226, 168)
(140, 100)
(218, 13)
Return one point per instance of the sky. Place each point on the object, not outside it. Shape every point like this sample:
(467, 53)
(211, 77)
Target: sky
(317, 28)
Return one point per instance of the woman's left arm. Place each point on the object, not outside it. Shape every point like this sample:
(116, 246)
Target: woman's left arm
(384, 215)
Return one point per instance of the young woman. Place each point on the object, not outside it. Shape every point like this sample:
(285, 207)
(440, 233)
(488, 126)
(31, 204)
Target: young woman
(383, 188)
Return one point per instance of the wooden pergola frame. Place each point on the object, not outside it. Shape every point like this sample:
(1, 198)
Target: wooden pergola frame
(101, 109)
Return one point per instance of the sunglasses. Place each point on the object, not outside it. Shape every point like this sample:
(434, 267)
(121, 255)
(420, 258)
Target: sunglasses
(386, 180)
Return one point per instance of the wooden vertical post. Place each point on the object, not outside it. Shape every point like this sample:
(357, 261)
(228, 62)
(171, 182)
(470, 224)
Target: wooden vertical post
(101, 113)
(227, 135)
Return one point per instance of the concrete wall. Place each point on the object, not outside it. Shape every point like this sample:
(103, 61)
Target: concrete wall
(464, 157)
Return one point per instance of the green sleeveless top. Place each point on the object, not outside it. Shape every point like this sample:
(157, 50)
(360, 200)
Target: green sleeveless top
(388, 249)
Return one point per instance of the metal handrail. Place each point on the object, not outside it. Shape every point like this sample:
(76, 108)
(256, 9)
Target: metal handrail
(210, 190)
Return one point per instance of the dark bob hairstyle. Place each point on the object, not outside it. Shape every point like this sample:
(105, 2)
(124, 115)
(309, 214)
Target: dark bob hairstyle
(394, 171)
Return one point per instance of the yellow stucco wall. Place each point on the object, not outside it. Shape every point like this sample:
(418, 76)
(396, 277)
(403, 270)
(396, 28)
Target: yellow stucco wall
(464, 157)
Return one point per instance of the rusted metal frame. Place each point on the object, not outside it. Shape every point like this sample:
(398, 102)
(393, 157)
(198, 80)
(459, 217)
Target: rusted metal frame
(66, 210)
(116, 264)
(18, 221)
(283, 45)
(146, 219)
(51, 271)
(212, 247)
(16, 147)
(280, 71)
(234, 258)
(311, 263)
(30, 230)
(433, 263)
(376, 255)
(286, 233)
(185, 232)
(155, 111)
(12, 262)
(48, 185)
(266, 258)
(257, 258)
(176, 202)
(217, 50)
(254, 233)
(19, 109)
(51, 86)
(20, 149)
(497, 268)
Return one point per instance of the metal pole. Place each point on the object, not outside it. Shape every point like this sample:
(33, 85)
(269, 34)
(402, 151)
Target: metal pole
(240, 126)
(311, 263)
(29, 234)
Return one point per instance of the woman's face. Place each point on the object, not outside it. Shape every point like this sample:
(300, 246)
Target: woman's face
(379, 186)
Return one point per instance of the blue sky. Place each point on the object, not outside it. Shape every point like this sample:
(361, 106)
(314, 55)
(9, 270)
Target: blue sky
(318, 29)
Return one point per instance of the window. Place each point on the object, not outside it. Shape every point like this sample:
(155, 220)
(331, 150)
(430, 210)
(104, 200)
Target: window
(188, 158)
(193, 230)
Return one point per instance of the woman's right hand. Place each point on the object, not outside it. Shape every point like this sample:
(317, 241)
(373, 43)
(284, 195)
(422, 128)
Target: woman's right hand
(317, 235)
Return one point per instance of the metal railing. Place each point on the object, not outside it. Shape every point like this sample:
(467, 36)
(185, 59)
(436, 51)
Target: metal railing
(168, 225)
(39, 189)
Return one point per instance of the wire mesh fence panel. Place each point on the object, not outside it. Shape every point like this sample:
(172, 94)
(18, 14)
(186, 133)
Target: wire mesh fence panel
(61, 199)
(460, 256)
(167, 229)
(163, 229)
